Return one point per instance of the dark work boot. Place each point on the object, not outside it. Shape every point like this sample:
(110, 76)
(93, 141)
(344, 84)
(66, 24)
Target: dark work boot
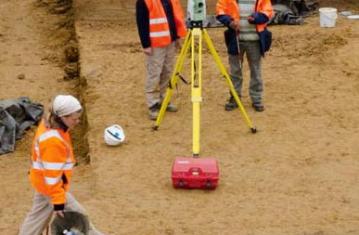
(171, 108)
(259, 107)
(153, 111)
(231, 104)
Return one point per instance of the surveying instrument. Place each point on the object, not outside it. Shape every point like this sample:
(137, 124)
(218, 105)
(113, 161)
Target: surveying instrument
(196, 16)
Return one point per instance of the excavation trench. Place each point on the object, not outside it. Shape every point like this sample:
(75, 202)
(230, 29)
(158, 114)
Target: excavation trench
(69, 60)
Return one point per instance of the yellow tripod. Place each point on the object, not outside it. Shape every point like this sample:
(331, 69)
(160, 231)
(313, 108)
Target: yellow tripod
(193, 40)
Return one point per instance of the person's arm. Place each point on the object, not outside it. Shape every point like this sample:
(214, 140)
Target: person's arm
(224, 19)
(54, 156)
(264, 14)
(143, 23)
(267, 9)
(258, 18)
(229, 22)
(221, 13)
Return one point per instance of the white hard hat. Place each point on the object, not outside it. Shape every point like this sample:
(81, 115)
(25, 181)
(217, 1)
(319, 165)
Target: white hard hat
(114, 135)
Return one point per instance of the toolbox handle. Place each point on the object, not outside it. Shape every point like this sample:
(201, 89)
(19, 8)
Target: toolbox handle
(195, 171)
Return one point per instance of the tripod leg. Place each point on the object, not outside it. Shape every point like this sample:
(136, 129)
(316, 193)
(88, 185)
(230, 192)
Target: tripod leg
(228, 79)
(174, 78)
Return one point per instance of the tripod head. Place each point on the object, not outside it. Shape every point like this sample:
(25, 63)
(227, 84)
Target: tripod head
(196, 13)
(197, 16)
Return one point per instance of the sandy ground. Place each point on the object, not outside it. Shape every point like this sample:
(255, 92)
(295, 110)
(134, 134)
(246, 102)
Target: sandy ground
(30, 45)
(298, 175)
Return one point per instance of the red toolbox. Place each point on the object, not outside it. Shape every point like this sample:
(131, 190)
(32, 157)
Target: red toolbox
(201, 173)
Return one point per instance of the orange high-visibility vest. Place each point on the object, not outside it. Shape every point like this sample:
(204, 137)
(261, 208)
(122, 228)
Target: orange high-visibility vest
(231, 8)
(160, 35)
(52, 162)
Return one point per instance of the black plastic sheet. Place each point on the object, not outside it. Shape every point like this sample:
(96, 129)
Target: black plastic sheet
(16, 116)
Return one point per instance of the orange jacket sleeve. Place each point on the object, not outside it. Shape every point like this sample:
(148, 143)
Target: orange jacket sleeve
(265, 7)
(54, 156)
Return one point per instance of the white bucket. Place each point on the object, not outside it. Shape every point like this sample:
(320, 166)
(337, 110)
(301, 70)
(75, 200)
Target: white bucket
(328, 16)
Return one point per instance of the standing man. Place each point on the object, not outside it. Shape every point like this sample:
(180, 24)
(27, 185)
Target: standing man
(160, 25)
(52, 162)
(246, 34)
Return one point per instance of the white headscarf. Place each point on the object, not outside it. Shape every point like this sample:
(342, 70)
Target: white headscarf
(65, 104)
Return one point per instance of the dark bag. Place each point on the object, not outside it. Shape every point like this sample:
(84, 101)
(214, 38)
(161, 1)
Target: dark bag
(265, 39)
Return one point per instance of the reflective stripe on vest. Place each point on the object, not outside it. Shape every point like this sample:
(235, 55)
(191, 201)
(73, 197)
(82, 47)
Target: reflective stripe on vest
(52, 166)
(52, 180)
(159, 29)
(43, 165)
(44, 136)
(159, 34)
(158, 20)
(48, 134)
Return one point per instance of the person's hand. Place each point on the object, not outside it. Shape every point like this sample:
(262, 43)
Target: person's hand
(178, 43)
(234, 25)
(251, 19)
(258, 18)
(147, 50)
(59, 213)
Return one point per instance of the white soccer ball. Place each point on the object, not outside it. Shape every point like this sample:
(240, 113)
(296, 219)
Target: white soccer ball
(114, 135)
